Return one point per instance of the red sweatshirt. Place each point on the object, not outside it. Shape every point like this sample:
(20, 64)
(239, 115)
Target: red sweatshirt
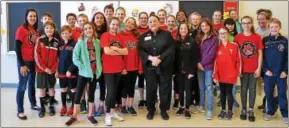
(218, 26)
(132, 60)
(46, 54)
(142, 30)
(28, 39)
(112, 64)
(227, 63)
(76, 32)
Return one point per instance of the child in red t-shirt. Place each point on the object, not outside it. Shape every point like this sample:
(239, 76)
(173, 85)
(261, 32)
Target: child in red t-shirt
(251, 47)
(226, 71)
(113, 66)
(217, 20)
(132, 65)
(162, 14)
(76, 31)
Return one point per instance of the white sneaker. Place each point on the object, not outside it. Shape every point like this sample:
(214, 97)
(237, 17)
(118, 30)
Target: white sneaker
(107, 119)
(117, 117)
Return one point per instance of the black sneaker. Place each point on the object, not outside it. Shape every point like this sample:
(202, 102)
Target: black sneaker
(251, 116)
(243, 115)
(132, 111)
(180, 111)
(123, 110)
(141, 104)
(150, 115)
(187, 114)
(176, 105)
(41, 113)
(229, 115)
(70, 121)
(165, 115)
(92, 120)
(222, 115)
(51, 110)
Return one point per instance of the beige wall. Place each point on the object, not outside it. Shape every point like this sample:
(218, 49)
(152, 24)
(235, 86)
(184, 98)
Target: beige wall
(278, 8)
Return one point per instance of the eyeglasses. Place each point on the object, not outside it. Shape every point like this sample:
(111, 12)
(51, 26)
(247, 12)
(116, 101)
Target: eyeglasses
(243, 23)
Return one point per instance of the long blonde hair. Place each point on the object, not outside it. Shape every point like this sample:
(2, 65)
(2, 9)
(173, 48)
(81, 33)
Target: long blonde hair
(94, 36)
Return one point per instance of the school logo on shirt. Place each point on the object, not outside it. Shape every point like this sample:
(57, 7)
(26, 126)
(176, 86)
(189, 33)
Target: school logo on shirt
(248, 49)
(130, 45)
(281, 47)
(91, 52)
(32, 38)
(55, 44)
(115, 43)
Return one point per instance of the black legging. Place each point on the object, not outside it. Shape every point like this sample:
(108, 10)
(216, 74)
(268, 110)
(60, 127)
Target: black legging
(112, 83)
(185, 85)
(81, 83)
(129, 82)
(226, 92)
(141, 79)
(101, 87)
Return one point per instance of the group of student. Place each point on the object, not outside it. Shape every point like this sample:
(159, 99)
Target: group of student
(193, 52)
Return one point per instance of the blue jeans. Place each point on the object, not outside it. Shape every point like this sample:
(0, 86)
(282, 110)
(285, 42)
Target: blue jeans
(30, 78)
(205, 84)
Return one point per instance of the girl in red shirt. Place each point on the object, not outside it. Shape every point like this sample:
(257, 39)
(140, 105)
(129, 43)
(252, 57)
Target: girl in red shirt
(76, 31)
(251, 47)
(217, 20)
(132, 65)
(142, 28)
(226, 71)
(25, 39)
(113, 66)
(162, 14)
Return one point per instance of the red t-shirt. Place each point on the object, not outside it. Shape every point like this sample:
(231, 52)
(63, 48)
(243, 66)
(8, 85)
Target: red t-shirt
(249, 46)
(91, 52)
(112, 64)
(164, 26)
(218, 26)
(142, 30)
(76, 32)
(132, 60)
(28, 37)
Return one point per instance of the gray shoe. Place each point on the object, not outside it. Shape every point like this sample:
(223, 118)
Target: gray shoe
(285, 120)
(268, 117)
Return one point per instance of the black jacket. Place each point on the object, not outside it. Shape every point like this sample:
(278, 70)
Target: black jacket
(159, 44)
(186, 57)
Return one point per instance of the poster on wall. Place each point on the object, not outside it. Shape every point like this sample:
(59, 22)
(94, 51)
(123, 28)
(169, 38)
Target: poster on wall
(229, 6)
(86, 7)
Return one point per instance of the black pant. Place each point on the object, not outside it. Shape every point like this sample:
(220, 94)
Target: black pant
(141, 79)
(101, 87)
(226, 92)
(185, 84)
(129, 84)
(165, 88)
(119, 89)
(112, 82)
(81, 83)
(195, 91)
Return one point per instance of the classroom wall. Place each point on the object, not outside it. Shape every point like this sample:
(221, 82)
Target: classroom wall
(279, 10)
(8, 59)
